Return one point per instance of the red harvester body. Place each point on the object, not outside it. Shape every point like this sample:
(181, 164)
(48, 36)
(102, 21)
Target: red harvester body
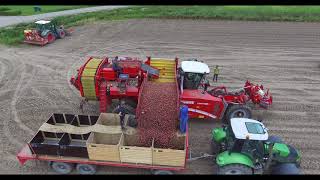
(98, 80)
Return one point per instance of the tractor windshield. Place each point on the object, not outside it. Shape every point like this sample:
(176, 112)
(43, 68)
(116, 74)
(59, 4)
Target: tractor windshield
(40, 27)
(254, 149)
(254, 128)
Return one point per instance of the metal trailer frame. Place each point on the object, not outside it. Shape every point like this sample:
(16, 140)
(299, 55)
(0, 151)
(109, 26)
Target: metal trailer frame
(25, 154)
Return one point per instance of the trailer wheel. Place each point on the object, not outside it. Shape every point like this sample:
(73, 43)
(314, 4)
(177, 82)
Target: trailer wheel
(238, 111)
(61, 167)
(86, 168)
(162, 172)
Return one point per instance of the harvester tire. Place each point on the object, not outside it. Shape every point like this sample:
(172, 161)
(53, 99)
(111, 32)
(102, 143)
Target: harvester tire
(215, 147)
(61, 33)
(234, 169)
(238, 111)
(132, 121)
(285, 169)
(114, 105)
(131, 103)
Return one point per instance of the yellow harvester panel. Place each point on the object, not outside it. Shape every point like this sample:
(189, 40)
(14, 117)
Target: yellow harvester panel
(167, 68)
(88, 78)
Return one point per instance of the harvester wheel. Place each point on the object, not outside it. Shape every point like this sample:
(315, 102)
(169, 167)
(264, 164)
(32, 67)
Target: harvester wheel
(62, 168)
(215, 147)
(234, 169)
(114, 105)
(132, 122)
(86, 168)
(51, 38)
(61, 33)
(238, 111)
(131, 103)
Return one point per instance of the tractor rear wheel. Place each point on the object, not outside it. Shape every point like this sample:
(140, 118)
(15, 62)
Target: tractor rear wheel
(275, 139)
(238, 111)
(61, 33)
(234, 169)
(285, 168)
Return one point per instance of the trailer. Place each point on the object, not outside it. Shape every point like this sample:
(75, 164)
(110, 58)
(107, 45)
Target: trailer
(84, 142)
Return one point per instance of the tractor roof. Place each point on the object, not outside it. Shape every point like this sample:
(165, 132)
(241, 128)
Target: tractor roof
(244, 128)
(195, 67)
(42, 22)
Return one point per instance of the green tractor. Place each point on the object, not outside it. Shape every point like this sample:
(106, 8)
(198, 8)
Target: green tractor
(244, 147)
(45, 32)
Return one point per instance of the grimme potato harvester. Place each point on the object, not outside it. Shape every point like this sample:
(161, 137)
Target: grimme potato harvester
(98, 81)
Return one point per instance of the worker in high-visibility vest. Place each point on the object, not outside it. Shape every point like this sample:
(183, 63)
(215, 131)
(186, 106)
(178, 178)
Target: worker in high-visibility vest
(216, 72)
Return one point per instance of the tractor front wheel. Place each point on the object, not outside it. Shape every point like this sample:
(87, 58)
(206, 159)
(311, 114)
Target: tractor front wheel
(234, 169)
(61, 33)
(51, 38)
(238, 111)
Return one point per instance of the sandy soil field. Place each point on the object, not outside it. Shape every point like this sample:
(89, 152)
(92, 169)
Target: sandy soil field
(34, 81)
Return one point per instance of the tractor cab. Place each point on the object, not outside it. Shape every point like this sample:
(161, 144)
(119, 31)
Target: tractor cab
(192, 73)
(244, 146)
(249, 137)
(43, 25)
